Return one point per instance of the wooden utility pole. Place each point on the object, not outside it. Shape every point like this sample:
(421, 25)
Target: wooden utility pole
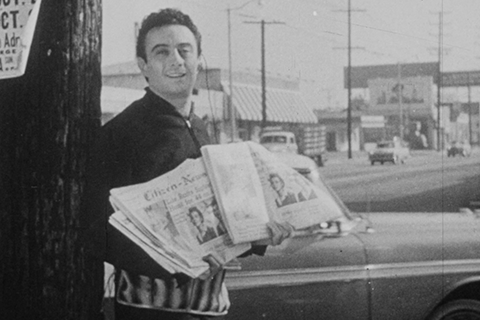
(349, 77)
(439, 81)
(48, 117)
(263, 69)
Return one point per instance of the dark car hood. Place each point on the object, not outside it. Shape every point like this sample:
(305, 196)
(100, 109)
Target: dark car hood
(396, 238)
(408, 237)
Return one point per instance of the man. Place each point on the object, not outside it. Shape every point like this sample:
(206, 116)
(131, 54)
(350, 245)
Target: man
(149, 138)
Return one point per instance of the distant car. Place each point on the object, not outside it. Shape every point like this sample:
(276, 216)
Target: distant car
(389, 151)
(459, 148)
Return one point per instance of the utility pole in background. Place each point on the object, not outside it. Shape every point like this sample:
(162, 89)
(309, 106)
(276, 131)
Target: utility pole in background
(439, 81)
(233, 123)
(263, 68)
(48, 118)
(400, 98)
(231, 108)
(349, 77)
(469, 110)
(440, 52)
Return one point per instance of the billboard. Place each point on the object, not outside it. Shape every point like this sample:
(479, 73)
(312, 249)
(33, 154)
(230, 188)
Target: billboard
(360, 75)
(416, 95)
(460, 79)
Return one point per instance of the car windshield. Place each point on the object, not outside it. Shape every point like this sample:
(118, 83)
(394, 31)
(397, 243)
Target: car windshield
(384, 145)
(273, 139)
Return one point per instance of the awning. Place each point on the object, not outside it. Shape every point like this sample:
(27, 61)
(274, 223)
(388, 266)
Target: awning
(208, 103)
(282, 105)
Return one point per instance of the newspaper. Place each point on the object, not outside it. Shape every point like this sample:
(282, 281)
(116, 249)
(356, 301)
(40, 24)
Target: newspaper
(253, 187)
(239, 190)
(289, 196)
(178, 213)
(217, 205)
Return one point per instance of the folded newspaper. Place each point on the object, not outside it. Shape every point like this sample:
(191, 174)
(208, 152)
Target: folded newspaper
(217, 204)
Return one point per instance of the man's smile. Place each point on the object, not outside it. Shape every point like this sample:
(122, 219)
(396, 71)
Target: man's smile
(175, 75)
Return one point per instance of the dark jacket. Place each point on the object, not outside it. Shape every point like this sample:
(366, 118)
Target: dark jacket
(146, 140)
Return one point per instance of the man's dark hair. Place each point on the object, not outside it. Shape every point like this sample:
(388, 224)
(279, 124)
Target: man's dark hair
(195, 209)
(162, 18)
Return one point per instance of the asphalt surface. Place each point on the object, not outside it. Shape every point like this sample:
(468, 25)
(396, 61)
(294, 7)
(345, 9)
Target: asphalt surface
(429, 181)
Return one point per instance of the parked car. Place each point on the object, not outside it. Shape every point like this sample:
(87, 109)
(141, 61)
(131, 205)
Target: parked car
(459, 148)
(389, 151)
(372, 266)
(415, 266)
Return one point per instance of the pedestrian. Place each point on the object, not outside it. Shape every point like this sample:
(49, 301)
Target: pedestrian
(149, 138)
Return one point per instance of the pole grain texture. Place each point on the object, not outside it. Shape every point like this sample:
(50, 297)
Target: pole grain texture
(48, 119)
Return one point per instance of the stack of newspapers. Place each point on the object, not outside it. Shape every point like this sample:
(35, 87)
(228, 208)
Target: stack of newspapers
(217, 205)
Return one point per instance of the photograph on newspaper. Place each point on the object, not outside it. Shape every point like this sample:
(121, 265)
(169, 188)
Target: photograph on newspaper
(289, 196)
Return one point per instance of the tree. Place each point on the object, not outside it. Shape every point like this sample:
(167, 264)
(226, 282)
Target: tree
(48, 118)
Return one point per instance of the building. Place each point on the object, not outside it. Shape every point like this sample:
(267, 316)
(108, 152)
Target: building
(407, 96)
(335, 122)
(404, 94)
(284, 103)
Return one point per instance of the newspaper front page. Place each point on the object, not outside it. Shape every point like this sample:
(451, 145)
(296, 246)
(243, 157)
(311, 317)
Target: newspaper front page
(289, 196)
(180, 211)
(239, 191)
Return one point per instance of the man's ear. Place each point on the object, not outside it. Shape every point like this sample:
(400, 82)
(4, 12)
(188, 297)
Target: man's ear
(142, 64)
(200, 64)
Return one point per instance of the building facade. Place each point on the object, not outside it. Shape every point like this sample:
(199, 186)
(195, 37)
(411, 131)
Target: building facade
(213, 92)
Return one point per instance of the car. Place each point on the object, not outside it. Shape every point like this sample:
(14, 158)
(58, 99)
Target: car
(279, 141)
(459, 148)
(389, 151)
(423, 266)
(415, 266)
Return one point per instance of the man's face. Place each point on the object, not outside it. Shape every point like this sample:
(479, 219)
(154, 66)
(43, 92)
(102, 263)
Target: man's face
(172, 61)
(196, 218)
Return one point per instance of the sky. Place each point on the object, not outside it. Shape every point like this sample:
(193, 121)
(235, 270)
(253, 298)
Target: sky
(307, 39)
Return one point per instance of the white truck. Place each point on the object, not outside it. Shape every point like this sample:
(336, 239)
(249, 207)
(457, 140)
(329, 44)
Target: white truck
(305, 140)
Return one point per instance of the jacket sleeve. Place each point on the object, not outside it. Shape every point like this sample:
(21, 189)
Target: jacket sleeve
(111, 166)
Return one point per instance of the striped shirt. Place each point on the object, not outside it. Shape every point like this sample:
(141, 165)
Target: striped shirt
(203, 297)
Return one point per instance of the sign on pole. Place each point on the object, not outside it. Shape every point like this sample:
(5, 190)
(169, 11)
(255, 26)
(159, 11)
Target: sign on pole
(17, 24)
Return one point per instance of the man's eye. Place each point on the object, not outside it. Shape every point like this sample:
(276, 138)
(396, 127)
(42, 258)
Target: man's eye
(162, 52)
(185, 51)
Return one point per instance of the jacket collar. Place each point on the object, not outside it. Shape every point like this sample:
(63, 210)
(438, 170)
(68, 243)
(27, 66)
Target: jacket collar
(157, 104)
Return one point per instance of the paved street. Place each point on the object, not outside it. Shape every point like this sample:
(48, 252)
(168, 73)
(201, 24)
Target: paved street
(429, 181)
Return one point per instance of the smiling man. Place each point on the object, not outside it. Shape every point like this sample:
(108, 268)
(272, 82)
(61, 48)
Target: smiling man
(149, 138)
(168, 57)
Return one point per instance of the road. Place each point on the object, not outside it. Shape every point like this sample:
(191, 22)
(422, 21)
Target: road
(429, 182)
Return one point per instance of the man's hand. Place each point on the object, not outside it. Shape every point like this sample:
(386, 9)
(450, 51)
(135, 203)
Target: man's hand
(215, 267)
(278, 233)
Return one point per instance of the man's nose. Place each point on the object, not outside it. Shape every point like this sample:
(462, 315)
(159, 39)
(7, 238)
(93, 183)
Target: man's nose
(176, 58)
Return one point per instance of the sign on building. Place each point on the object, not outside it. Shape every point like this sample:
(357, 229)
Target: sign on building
(372, 121)
(17, 24)
(413, 94)
(461, 79)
